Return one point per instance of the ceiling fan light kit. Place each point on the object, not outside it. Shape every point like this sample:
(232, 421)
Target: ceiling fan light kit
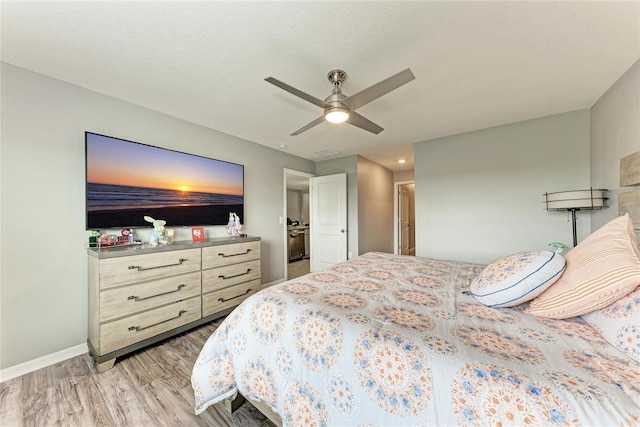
(339, 108)
(336, 114)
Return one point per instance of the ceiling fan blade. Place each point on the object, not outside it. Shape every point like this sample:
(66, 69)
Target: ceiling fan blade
(363, 123)
(379, 89)
(296, 92)
(309, 126)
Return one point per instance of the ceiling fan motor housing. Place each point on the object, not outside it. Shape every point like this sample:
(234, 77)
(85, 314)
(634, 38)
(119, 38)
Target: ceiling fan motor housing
(335, 111)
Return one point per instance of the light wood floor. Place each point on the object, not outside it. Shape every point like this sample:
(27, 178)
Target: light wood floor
(151, 387)
(297, 268)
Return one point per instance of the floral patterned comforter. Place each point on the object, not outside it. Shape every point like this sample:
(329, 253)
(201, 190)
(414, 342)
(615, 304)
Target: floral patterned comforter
(392, 340)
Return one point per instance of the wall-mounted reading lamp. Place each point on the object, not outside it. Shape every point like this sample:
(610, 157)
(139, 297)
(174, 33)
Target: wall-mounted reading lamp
(573, 201)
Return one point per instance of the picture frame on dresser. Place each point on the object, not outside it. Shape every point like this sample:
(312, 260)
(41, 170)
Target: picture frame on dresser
(141, 295)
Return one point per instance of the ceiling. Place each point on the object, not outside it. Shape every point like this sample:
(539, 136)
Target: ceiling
(477, 64)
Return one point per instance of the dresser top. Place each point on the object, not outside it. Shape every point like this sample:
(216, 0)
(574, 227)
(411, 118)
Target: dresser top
(127, 250)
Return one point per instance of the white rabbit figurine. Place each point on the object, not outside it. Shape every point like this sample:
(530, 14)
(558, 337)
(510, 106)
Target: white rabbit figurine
(158, 229)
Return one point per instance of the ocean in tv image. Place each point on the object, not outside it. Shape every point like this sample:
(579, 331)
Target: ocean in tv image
(128, 180)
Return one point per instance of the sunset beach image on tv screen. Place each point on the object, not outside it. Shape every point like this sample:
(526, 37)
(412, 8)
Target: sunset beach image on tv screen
(127, 180)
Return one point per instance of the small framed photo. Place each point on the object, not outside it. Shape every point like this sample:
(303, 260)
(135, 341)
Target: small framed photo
(197, 234)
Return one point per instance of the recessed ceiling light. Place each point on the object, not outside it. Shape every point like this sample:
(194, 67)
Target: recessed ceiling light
(401, 161)
(282, 145)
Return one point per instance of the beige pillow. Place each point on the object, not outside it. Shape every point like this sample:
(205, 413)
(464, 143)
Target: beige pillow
(601, 269)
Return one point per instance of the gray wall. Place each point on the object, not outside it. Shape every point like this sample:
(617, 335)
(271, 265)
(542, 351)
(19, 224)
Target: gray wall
(43, 277)
(369, 202)
(375, 207)
(479, 194)
(405, 175)
(294, 204)
(615, 133)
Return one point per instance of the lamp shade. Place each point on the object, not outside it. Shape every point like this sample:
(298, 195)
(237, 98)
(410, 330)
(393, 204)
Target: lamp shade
(575, 200)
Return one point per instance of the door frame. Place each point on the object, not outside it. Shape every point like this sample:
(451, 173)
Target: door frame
(283, 219)
(396, 213)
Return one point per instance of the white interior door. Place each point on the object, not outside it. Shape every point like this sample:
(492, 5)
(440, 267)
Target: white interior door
(328, 205)
(403, 208)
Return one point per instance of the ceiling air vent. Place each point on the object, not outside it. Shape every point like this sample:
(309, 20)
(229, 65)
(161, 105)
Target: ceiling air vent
(328, 152)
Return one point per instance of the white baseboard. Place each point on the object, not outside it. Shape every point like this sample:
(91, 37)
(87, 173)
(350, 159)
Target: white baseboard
(42, 362)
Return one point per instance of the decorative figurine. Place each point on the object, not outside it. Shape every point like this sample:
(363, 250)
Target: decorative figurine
(167, 236)
(126, 237)
(231, 224)
(238, 226)
(158, 229)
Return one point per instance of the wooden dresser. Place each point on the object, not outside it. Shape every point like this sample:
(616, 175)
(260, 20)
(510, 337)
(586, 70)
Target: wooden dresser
(141, 294)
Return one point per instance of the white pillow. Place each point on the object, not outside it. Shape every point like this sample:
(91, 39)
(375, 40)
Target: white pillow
(517, 278)
(620, 323)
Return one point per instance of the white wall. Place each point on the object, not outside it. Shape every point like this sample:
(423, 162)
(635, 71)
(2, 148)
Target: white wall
(43, 281)
(615, 133)
(479, 194)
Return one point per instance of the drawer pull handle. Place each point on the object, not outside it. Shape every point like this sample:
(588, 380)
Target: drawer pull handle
(223, 277)
(237, 296)
(138, 328)
(141, 268)
(136, 299)
(240, 253)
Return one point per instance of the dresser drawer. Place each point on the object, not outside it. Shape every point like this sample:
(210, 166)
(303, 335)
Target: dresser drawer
(130, 330)
(137, 268)
(216, 256)
(124, 301)
(223, 277)
(215, 302)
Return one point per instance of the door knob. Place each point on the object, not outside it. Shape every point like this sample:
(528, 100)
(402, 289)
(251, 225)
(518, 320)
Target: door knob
(342, 231)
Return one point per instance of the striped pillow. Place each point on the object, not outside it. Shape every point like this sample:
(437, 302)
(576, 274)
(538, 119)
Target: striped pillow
(601, 269)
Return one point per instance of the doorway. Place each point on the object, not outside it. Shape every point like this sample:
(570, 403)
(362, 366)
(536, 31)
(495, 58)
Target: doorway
(296, 224)
(405, 230)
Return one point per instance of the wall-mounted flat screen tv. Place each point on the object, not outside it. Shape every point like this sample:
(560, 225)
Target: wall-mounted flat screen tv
(126, 180)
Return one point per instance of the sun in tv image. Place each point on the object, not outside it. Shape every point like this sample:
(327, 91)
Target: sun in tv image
(127, 180)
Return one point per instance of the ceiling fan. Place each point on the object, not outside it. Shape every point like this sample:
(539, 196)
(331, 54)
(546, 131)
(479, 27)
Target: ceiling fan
(340, 108)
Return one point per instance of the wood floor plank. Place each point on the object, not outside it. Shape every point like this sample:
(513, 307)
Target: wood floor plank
(39, 380)
(151, 387)
(123, 400)
(141, 367)
(68, 403)
(11, 402)
(177, 367)
(162, 396)
(95, 411)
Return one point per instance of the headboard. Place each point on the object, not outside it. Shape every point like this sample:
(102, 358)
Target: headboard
(629, 201)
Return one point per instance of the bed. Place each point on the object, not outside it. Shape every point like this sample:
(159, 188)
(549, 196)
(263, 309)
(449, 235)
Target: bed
(391, 340)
